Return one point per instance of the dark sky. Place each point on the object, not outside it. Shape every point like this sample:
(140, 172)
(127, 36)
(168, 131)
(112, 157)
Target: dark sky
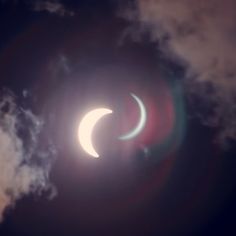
(60, 60)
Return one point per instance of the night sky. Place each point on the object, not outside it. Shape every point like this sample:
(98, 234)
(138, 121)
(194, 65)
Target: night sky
(61, 59)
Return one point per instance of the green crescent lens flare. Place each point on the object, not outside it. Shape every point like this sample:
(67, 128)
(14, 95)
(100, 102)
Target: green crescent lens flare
(142, 121)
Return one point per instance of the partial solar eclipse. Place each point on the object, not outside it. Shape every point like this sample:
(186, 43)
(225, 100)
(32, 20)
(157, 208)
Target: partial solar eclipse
(141, 123)
(88, 122)
(86, 126)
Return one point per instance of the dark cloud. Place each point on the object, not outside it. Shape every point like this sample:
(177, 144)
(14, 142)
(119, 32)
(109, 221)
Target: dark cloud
(50, 6)
(54, 7)
(201, 36)
(24, 168)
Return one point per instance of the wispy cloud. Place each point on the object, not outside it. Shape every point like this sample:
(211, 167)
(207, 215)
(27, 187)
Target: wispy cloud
(54, 7)
(50, 6)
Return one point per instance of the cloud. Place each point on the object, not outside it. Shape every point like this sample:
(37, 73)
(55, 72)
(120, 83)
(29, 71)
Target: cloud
(54, 7)
(60, 65)
(200, 35)
(24, 165)
(50, 6)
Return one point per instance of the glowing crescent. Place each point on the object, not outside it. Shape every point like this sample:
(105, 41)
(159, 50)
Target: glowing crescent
(141, 123)
(86, 126)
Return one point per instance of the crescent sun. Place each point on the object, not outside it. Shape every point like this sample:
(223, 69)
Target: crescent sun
(86, 127)
(142, 121)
